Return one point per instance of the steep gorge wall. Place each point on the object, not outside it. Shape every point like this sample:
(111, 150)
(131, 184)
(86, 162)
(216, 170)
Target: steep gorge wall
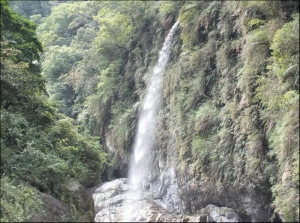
(217, 128)
(142, 55)
(228, 131)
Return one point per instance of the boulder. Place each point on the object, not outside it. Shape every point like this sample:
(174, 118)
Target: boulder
(79, 197)
(220, 214)
(115, 201)
(51, 210)
(78, 205)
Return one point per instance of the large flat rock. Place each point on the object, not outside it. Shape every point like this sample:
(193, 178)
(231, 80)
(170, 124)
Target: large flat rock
(115, 201)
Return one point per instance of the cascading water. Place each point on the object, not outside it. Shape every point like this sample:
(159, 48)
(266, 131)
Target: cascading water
(130, 203)
(145, 139)
(118, 201)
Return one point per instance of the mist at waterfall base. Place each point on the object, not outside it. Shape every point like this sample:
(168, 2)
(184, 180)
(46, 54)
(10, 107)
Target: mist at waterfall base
(145, 140)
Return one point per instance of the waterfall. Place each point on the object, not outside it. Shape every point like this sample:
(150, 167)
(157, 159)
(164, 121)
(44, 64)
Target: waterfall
(117, 201)
(142, 157)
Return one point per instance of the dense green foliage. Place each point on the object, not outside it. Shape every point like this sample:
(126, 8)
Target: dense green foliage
(18, 201)
(240, 117)
(33, 8)
(230, 100)
(40, 148)
(231, 89)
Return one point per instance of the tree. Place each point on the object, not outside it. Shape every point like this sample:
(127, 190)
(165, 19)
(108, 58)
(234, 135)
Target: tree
(36, 140)
(20, 34)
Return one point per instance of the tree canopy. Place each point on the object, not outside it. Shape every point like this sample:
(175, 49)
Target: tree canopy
(41, 149)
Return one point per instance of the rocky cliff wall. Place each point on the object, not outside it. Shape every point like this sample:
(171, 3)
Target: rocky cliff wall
(215, 141)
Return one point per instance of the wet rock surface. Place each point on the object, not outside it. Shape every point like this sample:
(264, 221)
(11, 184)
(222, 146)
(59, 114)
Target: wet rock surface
(183, 189)
(115, 202)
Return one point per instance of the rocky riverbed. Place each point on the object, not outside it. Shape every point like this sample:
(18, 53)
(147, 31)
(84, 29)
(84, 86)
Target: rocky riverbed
(115, 201)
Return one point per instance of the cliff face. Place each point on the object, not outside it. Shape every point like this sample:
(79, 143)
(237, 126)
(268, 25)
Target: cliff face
(228, 129)
(224, 136)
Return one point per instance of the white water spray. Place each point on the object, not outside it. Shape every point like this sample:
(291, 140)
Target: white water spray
(139, 170)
